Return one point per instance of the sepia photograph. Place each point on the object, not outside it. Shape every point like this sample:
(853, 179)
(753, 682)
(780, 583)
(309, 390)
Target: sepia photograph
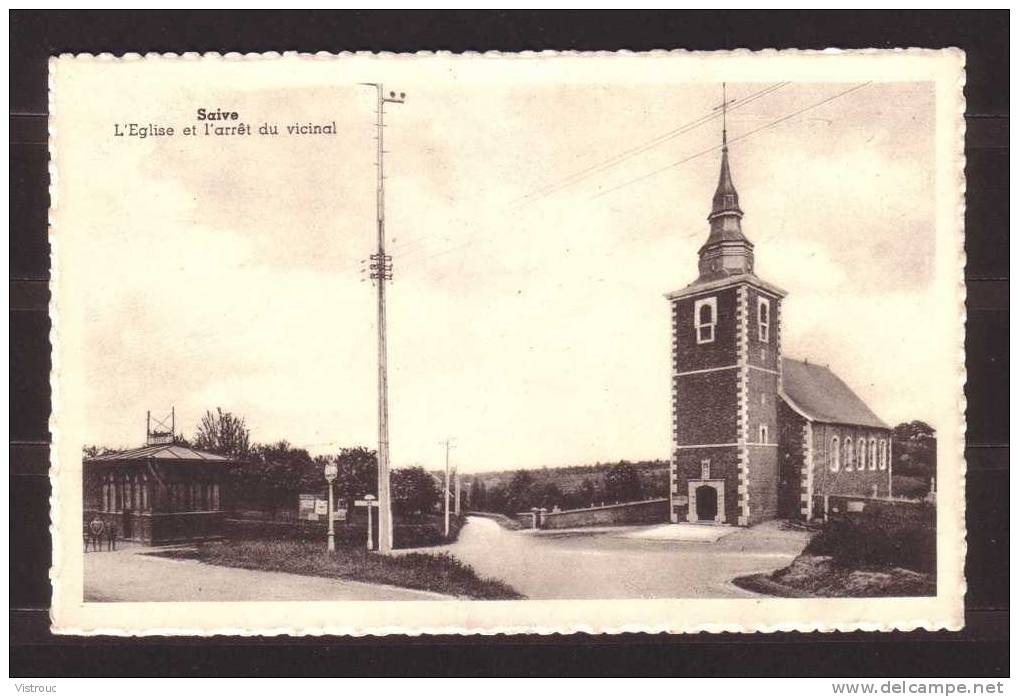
(370, 344)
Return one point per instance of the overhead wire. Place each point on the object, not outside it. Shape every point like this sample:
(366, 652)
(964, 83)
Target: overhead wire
(743, 136)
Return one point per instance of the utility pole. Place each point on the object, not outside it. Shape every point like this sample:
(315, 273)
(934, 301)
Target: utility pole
(382, 271)
(445, 491)
(456, 501)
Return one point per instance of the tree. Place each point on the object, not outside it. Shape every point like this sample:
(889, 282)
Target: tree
(477, 498)
(496, 499)
(223, 433)
(622, 483)
(549, 496)
(915, 449)
(414, 491)
(519, 492)
(271, 477)
(357, 472)
(90, 451)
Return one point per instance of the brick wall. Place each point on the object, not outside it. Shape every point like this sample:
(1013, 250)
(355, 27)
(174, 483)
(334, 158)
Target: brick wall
(853, 482)
(705, 408)
(790, 461)
(689, 354)
(723, 465)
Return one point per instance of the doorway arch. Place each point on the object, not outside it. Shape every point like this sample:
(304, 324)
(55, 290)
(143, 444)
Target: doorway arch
(706, 503)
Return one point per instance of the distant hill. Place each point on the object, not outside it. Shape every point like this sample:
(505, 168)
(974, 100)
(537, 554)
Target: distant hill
(566, 487)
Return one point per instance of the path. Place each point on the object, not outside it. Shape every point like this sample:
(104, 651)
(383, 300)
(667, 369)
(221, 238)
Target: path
(132, 575)
(623, 563)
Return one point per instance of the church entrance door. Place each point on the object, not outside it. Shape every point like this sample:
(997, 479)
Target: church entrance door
(707, 503)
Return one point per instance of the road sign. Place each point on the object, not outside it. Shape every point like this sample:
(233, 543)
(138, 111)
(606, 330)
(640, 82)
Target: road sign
(321, 507)
(359, 502)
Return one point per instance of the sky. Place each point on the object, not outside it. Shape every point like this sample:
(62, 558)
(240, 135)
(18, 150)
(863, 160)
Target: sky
(526, 322)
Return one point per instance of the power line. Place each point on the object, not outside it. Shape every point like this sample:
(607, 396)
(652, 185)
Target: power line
(648, 145)
(411, 247)
(737, 138)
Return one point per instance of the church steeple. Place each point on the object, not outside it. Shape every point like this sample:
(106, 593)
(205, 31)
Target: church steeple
(726, 251)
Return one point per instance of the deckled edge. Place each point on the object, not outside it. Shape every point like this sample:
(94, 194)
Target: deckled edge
(55, 363)
(570, 629)
(960, 235)
(529, 54)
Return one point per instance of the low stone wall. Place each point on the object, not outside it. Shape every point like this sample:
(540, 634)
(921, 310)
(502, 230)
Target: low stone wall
(863, 505)
(632, 513)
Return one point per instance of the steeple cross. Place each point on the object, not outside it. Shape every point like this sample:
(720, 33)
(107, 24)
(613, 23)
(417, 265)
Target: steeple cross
(724, 107)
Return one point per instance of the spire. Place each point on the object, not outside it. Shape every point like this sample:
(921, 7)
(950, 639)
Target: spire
(726, 200)
(726, 251)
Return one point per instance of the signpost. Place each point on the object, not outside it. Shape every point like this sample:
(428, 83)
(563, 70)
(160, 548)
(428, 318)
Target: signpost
(330, 475)
(368, 502)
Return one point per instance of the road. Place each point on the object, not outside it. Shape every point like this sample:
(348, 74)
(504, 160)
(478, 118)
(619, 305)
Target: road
(129, 574)
(614, 564)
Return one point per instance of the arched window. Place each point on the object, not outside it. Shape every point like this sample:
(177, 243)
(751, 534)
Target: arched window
(705, 316)
(883, 463)
(847, 454)
(833, 455)
(763, 433)
(872, 462)
(861, 454)
(763, 318)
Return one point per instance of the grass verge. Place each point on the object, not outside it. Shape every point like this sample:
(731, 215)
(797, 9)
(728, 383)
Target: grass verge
(820, 577)
(440, 573)
(889, 552)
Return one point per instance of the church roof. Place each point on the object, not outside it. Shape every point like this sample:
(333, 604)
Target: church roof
(168, 452)
(820, 395)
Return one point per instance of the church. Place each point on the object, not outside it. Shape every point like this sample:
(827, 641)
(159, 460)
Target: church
(757, 435)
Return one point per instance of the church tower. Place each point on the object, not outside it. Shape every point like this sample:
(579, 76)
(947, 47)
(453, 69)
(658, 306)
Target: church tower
(726, 377)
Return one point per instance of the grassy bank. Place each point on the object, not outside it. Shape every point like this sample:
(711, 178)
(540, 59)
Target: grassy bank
(890, 553)
(440, 573)
(408, 533)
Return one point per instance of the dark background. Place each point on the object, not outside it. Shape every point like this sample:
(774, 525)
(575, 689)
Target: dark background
(979, 650)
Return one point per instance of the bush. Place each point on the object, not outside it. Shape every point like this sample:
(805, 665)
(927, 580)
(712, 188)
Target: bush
(424, 531)
(910, 487)
(882, 537)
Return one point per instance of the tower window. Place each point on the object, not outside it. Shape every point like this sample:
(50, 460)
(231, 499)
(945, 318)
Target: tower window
(763, 433)
(872, 462)
(833, 455)
(847, 454)
(705, 317)
(763, 318)
(861, 454)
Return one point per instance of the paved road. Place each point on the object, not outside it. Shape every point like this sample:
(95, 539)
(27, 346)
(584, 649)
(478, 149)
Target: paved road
(131, 575)
(614, 564)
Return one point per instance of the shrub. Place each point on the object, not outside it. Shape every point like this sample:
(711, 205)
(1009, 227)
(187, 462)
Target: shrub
(881, 536)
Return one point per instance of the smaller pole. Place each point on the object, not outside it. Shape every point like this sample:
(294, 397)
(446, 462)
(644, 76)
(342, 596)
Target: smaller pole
(445, 488)
(371, 546)
(456, 501)
(888, 458)
(332, 532)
